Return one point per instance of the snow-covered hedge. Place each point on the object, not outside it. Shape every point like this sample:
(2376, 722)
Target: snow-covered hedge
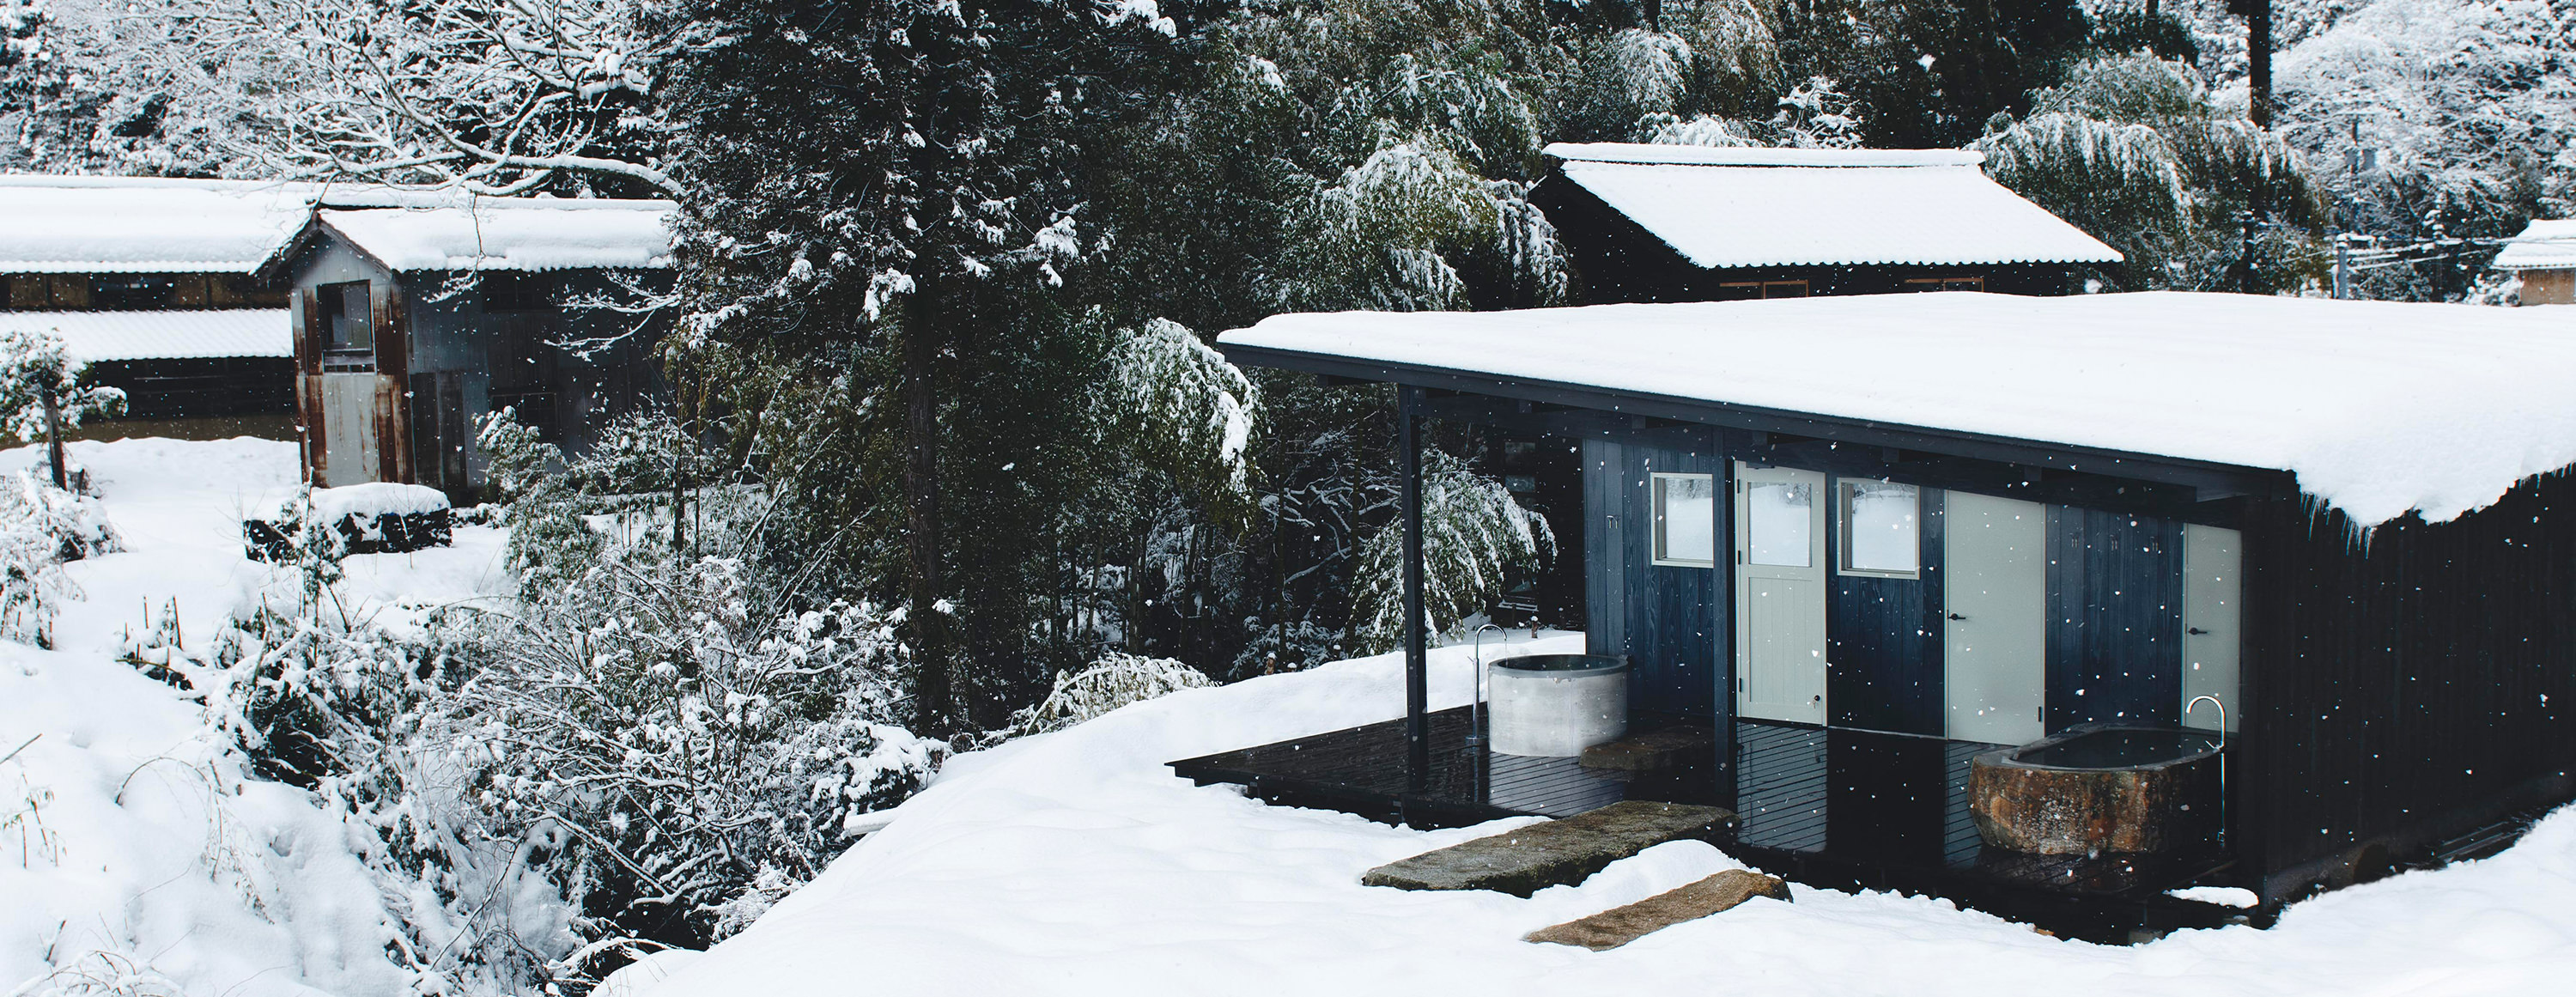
(374, 518)
(40, 528)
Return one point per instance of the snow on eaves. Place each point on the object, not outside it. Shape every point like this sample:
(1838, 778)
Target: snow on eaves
(532, 234)
(1656, 153)
(1735, 207)
(2377, 408)
(2545, 245)
(54, 224)
(163, 335)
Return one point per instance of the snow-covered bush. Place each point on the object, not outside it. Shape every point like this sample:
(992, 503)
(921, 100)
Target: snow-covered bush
(550, 541)
(1475, 539)
(40, 528)
(41, 394)
(684, 739)
(1106, 685)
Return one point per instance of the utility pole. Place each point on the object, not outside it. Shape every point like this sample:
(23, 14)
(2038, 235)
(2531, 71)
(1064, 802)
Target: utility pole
(2258, 58)
(2343, 266)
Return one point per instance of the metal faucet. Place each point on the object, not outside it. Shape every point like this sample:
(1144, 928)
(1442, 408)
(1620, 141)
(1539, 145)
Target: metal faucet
(2222, 756)
(2222, 715)
(1476, 706)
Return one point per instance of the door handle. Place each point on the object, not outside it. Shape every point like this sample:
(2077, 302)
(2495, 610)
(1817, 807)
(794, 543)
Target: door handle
(2195, 631)
(1956, 616)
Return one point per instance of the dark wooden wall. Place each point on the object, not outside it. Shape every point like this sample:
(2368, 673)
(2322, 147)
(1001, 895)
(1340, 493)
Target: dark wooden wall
(1885, 635)
(209, 386)
(1620, 261)
(2407, 687)
(2114, 617)
(1670, 621)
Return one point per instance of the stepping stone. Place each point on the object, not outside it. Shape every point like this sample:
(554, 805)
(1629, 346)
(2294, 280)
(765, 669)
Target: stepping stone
(1620, 925)
(1525, 860)
(1661, 749)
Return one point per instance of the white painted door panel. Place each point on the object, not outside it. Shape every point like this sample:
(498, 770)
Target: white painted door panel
(2212, 607)
(1994, 582)
(1780, 594)
(349, 455)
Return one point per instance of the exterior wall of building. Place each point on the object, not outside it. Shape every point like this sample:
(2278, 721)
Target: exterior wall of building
(2405, 688)
(351, 406)
(2548, 287)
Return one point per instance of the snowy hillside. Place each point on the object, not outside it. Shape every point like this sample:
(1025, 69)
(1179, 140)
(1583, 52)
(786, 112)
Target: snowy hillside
(137, 855)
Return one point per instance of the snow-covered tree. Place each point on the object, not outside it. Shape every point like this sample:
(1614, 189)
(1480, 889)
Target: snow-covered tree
(41, 394)
(1475, 540)
(2135, 150)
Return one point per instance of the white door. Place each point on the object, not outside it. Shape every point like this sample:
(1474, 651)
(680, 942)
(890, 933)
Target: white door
(349, 455)
(1995, 639)
(2212, 604)
(1780, 594)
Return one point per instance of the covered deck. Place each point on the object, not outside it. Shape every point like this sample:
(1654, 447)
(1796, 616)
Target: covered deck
(1823, 806)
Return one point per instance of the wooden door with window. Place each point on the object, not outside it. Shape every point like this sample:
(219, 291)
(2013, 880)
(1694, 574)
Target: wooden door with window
(352, 356)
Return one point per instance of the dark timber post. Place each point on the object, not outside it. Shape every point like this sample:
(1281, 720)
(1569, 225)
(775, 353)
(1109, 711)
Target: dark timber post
(1417, 664)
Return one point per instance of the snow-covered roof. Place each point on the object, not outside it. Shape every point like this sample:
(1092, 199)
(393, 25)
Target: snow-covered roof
(157, 335)
(518, 234)
(2544, 245)
(55, 224)
(2378, 408)
(1736, 207)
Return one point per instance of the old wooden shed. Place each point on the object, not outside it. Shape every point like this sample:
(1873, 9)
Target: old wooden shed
(413, 322)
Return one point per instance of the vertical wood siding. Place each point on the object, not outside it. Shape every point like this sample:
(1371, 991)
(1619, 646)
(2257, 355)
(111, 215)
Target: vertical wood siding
(1884, 635)
(2409, 687)
(1662, 617)
(2114, 617)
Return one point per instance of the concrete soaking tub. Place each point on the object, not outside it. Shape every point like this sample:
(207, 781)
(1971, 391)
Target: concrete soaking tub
(1556, 705)
(2098, 788)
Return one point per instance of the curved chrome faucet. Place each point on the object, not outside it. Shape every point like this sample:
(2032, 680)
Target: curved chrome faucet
(1476, 706)
(2222, 715)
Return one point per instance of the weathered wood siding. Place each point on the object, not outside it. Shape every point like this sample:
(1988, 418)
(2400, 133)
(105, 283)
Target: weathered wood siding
(2404, 688)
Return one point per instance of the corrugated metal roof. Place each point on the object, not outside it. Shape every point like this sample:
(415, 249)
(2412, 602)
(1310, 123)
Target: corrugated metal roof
(1809, 207)
(51, 224)
(2545, 245)
(146, 335)
(532, 234)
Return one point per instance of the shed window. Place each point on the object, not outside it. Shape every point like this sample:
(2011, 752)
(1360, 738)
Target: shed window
(348, 316)
(1686, 520)
(1881, 529)
(1945, 284)
(1761, 289)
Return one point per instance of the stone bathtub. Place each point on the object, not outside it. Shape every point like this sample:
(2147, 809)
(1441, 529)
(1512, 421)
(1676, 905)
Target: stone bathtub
(2098, 788)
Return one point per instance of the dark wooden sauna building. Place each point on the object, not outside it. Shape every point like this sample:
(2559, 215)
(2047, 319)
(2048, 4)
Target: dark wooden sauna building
(1864, 541)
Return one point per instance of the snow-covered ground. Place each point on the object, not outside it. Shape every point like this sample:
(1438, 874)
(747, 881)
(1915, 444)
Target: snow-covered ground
(1066, 863)
(1074, 863)
(124, 828)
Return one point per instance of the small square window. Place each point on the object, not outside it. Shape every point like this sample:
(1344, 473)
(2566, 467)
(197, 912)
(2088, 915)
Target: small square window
(348, 317)
(1686, 520)
(1881, 526)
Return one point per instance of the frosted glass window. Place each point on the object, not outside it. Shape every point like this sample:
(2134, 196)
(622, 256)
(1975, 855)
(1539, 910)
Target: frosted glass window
(1779, 518)
(1882, 529)
(1686, 520)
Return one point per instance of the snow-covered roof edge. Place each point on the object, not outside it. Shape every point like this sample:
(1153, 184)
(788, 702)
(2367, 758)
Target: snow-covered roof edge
(523, 234)
(2375, 409)
(2545, 244)
(1655, 154)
